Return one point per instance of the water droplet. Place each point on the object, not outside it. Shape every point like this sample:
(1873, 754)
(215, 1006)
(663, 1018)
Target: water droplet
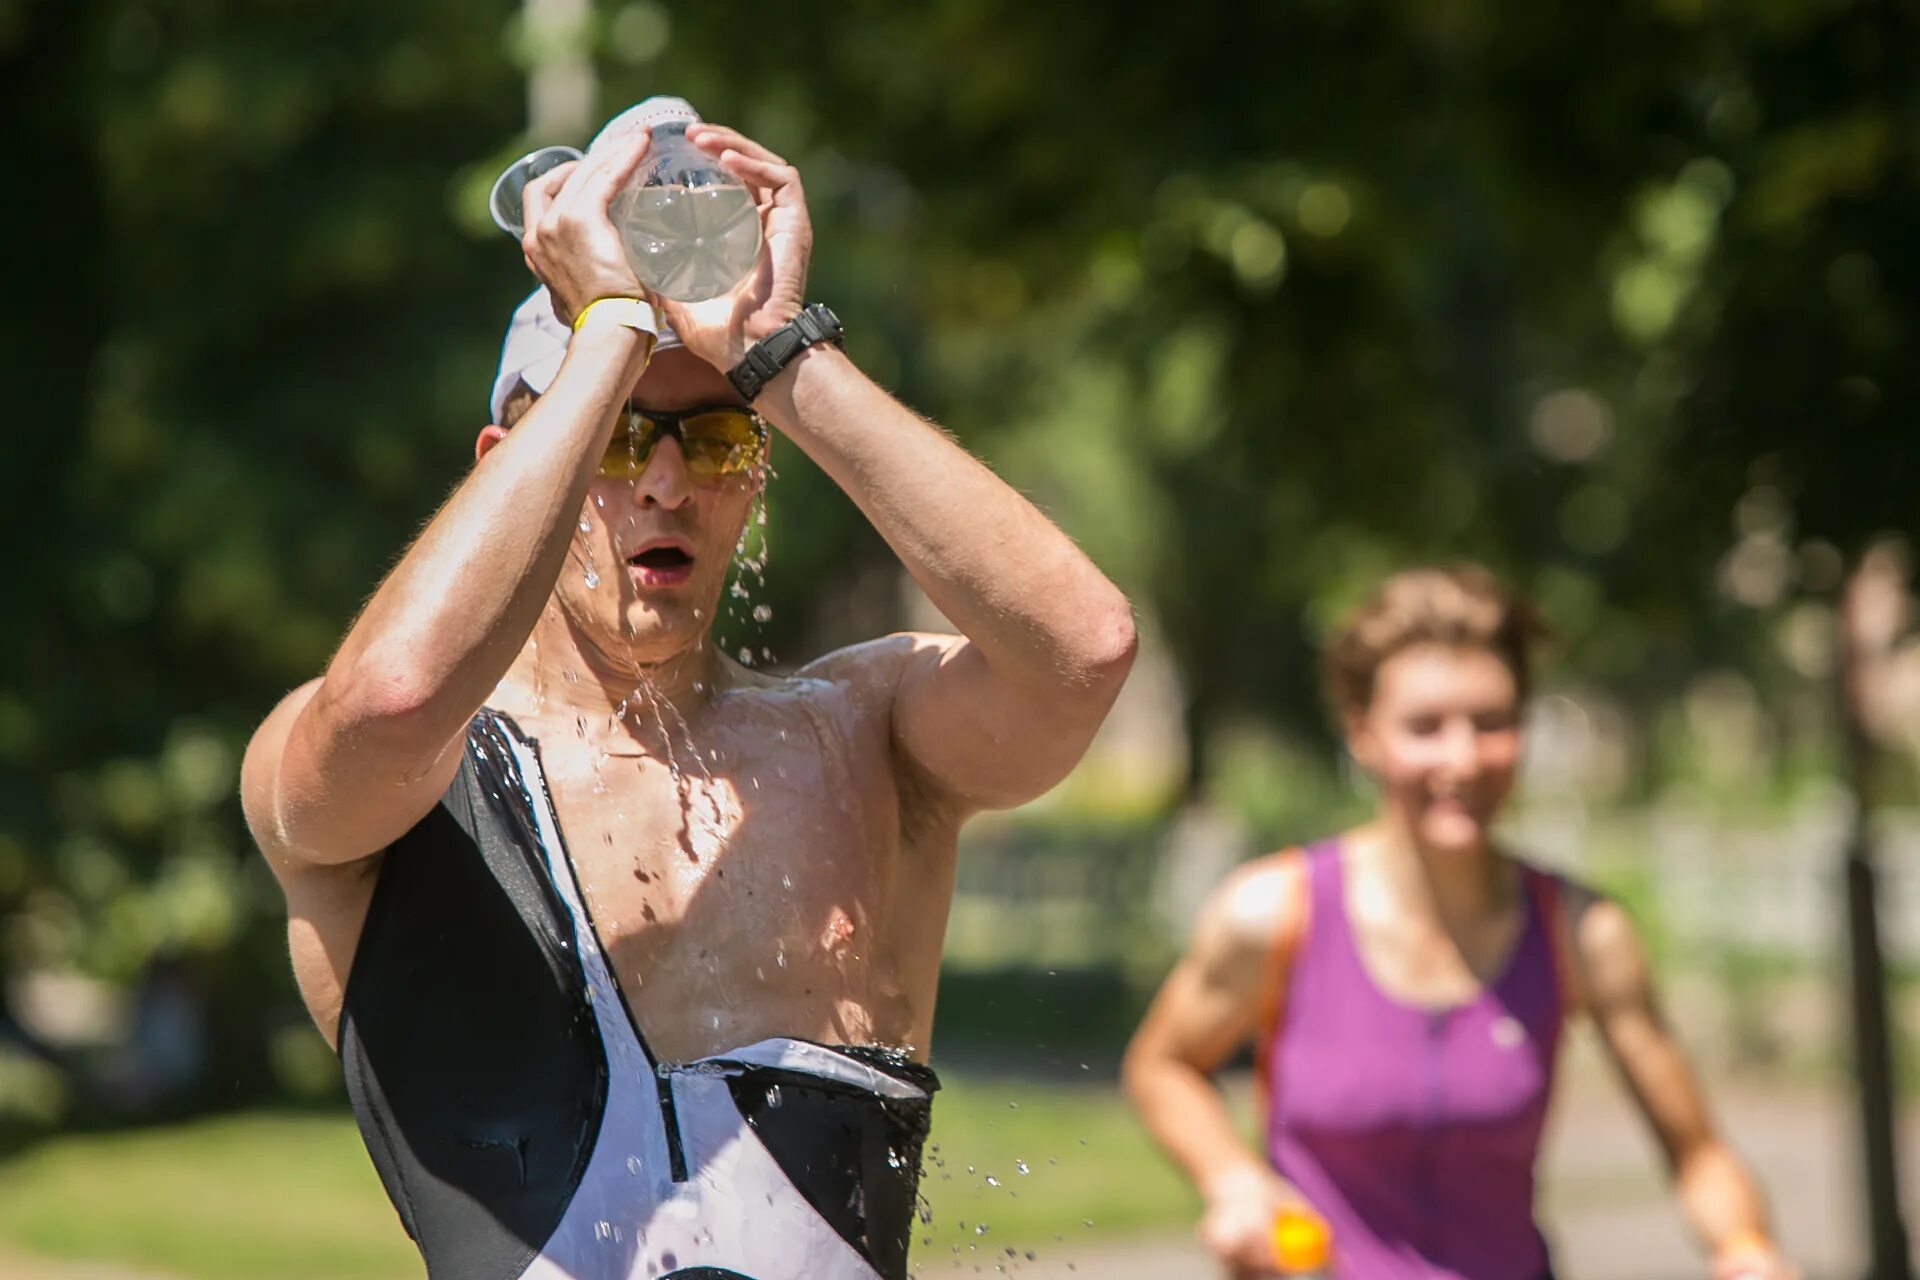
(586, 525)
(992, 1181)
(591, 576)
(746, 656)
(763, 613)
(980, 1229)
(1021, 1165)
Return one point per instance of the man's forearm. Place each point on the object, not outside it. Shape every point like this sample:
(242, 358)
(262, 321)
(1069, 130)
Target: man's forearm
(1037, 608)
(449, 619)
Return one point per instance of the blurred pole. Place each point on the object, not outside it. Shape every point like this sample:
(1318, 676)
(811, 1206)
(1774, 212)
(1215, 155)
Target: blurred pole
(561, 85)
(1873, 1054)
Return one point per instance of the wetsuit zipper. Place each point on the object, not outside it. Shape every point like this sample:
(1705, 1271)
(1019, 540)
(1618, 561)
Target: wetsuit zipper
(670, 1122)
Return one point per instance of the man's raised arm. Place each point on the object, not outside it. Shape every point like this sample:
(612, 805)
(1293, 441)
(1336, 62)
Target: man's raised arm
(347, 762)
(999, 715)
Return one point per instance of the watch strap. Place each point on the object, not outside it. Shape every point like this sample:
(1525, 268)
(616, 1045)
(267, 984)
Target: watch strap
(815, 324)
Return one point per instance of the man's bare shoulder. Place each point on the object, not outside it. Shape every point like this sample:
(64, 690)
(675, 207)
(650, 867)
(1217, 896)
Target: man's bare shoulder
(872, 669)
(871, 675)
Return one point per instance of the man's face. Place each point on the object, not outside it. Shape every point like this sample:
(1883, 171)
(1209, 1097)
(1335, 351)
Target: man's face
(650, 552)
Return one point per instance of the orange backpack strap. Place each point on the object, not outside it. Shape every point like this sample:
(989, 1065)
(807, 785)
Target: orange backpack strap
(1295, 907)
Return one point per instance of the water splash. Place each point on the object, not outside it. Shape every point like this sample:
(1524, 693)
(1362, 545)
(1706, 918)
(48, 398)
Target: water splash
(588, 573)
(750, 554)
(709, 790)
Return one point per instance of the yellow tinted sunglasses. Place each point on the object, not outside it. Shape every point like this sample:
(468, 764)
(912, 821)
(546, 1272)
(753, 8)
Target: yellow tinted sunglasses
(717, 440)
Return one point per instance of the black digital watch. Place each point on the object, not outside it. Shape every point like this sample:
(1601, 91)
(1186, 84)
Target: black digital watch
(815, 324)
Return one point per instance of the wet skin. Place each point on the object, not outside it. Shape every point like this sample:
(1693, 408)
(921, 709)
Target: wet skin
(825, 836)
(754, 859)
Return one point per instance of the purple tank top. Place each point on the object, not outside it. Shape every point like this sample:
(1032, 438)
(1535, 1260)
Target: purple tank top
(1413, 1131)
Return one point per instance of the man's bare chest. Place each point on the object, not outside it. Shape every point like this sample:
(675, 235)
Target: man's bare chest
(725, 847)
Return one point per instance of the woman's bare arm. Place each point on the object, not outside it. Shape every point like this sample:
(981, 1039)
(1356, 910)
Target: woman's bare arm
(1209, 1006)
(1717, 1192)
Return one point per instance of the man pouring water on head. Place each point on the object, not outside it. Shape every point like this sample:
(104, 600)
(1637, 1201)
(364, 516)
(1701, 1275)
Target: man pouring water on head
(629, 950)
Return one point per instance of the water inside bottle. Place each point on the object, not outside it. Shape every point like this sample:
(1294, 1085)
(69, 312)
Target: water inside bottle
(690, 243)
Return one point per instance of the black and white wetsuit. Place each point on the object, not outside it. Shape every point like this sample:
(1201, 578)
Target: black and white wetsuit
(518, 1120)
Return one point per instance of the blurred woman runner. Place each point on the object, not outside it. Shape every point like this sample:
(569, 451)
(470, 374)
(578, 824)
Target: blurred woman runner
(1405, 985)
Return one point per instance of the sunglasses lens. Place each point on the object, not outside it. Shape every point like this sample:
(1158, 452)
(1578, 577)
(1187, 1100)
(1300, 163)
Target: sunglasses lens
(630, 449)
(720, 443)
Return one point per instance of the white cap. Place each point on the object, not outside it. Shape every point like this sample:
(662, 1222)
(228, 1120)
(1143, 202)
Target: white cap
(536, 341)
(659, 109)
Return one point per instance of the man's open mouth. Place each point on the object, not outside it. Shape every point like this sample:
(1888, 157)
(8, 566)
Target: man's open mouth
(666, 558)
(661, 564)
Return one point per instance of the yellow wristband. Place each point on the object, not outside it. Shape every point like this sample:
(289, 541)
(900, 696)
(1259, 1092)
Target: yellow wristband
(625, 313)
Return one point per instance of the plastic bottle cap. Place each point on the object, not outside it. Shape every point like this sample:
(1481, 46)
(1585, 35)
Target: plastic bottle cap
(1301, 1242)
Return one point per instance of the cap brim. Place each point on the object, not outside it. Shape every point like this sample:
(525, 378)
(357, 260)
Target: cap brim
(536, 346)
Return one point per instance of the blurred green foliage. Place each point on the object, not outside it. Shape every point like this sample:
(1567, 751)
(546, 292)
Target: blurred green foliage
(1260, 301)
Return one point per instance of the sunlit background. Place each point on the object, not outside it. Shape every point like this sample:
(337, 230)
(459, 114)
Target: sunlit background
(1260, 301)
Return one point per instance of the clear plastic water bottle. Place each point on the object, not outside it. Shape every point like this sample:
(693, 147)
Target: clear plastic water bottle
(690, 228)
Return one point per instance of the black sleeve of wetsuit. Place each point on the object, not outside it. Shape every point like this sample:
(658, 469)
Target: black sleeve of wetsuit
(469, 1046)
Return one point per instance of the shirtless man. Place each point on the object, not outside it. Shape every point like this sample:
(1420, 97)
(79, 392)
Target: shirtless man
(614, 935)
